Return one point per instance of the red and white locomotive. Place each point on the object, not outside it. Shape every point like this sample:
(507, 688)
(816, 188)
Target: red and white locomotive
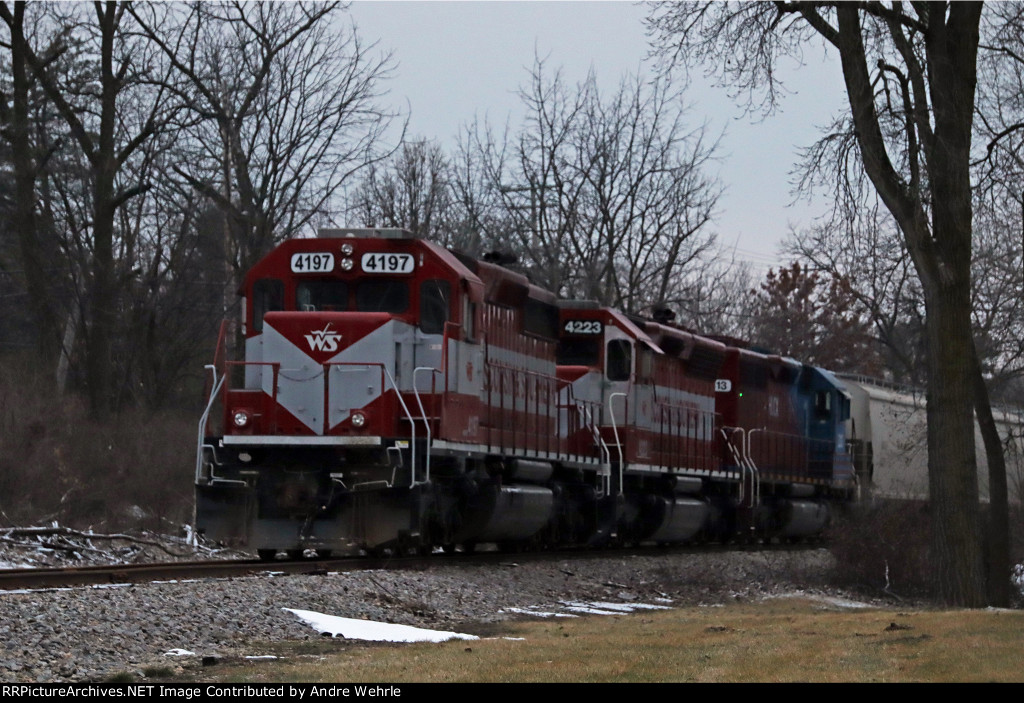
(395, 395)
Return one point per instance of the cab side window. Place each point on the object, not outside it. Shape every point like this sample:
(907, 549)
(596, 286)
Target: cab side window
(619, 360)
(822, 406)
(267, 296)
(435, 307)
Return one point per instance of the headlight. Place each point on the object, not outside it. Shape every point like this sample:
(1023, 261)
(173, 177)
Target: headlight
(347, 249)
(241, 418)
(347, 264)
(358, 419)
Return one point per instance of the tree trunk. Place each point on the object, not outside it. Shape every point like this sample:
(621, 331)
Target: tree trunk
(951, 51)
(952, 471)
(102, 299)
(997, 536)
(37, 282)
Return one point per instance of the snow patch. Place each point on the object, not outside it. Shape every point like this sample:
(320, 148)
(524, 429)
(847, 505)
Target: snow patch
(827, 600)
(594, 608)
(539, 613)
(587, 610)
(353, 629)
(628, 607)
(178, 652)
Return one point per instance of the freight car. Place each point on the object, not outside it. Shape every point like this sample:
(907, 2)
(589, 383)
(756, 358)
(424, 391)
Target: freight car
(888, 438)
(396, 395)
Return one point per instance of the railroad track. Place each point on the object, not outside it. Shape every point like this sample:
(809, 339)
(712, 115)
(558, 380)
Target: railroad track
(106, 575)
(12, 579)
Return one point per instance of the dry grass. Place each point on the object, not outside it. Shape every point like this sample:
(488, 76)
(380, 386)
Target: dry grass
(778, 640)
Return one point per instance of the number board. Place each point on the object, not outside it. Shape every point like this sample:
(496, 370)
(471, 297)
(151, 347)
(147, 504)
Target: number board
(583, 327)
(387, 263)
(313, 262)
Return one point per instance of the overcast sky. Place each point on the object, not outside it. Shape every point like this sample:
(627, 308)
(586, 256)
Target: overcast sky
(457, 60)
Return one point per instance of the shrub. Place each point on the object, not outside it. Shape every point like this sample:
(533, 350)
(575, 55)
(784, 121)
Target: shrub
(884, 545)
(132, 471)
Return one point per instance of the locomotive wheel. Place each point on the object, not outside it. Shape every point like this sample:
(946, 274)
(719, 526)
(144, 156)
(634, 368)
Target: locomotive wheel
(324, 553)
(266, 554)
(448, 547)
(294, 554)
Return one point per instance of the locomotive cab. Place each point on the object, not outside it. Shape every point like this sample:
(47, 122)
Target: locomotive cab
(335, 331)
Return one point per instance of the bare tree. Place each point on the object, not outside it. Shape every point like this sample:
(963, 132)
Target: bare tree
(125, 106)
(412, 190)
(531, 176)
(606, 198)
(27, 161)
(910, 74)
(171, 241)
(648, 198)
(715, 296)
(285, 100)
(867, 251)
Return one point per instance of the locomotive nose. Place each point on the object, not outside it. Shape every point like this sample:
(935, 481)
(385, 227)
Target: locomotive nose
(336, 370)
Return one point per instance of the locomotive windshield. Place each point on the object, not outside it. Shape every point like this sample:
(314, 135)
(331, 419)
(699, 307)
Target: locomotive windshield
(382, 295)
(578, 352)
(330, 295)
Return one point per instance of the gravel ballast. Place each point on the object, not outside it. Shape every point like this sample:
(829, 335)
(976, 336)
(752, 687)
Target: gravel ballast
(89, 634)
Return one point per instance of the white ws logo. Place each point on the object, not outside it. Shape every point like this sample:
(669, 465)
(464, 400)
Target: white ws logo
(323, 340)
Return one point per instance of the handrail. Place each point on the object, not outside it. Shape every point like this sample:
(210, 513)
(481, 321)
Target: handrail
(755, 474)
(445, 338)
(615, 431)
(745, 462)
(386, 373)
(412, 426)
(737, 455)
(703, 429)
(595, 431)
(214, 390)
(423, 412)
(219, 351)
(550, 384)
(517, 369)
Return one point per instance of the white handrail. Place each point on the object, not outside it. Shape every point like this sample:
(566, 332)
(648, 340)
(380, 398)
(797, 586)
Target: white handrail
(405, 408)
(755, 474)
(423, 412)
(615, 431)
(214, 390)
(412, 425)
(737, 455)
